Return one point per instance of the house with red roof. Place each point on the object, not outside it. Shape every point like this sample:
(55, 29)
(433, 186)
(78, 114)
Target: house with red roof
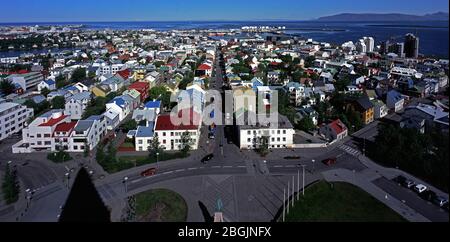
(204, 69)
(170, 129)
(142, 87)
(38, 135)
(334, 131)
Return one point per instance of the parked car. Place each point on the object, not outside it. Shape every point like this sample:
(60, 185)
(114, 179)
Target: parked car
(420, 188)
(409, 184)
(207, 158)
(428, 195)
(149, 172)
(329, 161)
(401, 180)
(440, 201)
(292, 158)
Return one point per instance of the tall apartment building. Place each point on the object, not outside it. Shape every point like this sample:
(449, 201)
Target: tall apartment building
(26, 81)
(411, 46)
(13, 118)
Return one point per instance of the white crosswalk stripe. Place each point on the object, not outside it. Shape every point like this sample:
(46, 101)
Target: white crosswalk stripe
(350, 150)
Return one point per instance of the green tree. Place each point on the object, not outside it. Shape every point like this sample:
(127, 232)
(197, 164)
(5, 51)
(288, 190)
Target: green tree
(129, 125)
(45, 91)
(91, 75)
(160, 93)
(306, 124)
(58, 102)
(186, 142)
(10, 186)
(155, 147)
(7, 87)
(262, 145)
(79, 74)
(61, 81)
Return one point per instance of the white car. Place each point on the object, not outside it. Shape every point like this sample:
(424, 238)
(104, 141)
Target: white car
(420, 188)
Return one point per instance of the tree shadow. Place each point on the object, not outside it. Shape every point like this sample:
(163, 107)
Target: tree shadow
(206, 215)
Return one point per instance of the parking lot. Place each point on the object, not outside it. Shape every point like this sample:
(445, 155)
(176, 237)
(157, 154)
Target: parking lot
(412, 199)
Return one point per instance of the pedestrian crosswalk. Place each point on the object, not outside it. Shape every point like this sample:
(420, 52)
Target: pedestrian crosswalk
(350, 150)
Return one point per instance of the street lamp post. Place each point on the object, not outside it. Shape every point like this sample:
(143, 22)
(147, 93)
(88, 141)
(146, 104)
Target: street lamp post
(67, 179)
(298, 185)
(125, 180)
(293, 191)
(314, 166)
(284, 204)
(303, 189)
(288, 191)
(157, 159)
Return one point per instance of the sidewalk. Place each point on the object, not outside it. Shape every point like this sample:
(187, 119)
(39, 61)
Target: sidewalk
(364, 180)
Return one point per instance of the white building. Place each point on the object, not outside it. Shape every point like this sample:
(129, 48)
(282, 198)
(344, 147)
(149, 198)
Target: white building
(120, 106)
(38, 136)
(13, 118)
(144, 137)
(49, 84)
(87, 132)
(280, 134)
(169, 135)
(77, 104)
(112, 119)
(26, 81)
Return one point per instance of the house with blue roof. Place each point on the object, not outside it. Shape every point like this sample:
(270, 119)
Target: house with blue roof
(121, 106)
(143, 137)
(395, 100)
(49, 84)
(58, 93)
(153, 105)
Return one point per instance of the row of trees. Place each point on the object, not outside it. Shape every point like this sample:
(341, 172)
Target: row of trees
(10, 186)
(424, 155)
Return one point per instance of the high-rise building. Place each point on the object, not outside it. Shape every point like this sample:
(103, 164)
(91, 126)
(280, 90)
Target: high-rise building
(397, 48)
(370, 43)
(411, 46)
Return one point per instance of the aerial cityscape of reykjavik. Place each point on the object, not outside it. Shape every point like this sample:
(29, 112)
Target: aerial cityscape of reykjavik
(361, 107)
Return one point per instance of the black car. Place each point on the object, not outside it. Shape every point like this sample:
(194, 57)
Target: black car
(428, 195)
(207, 158)
(401, 180)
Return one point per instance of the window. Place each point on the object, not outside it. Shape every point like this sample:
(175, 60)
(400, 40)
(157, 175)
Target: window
(39, 143)
(284, 131)
(249, 140)
(164, 133)
(140, 142)
(278, 131)
(284, 139)
(38, 135)
(75, 147)
(249, 132)
(47, 135)
(164, 141)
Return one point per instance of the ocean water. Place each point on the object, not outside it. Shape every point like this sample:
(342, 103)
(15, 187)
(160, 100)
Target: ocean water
(434, 36)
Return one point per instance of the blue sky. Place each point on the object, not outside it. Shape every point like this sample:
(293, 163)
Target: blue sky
(173, 10)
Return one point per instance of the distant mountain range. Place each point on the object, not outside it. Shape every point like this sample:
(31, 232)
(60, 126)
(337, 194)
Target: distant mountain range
(362, 17)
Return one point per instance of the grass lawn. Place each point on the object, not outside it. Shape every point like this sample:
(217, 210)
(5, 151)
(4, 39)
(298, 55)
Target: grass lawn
(342, 203)
(59, 157)
(160, 205)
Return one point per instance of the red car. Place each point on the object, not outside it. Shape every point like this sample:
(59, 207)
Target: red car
(149, 172)
(330, 161)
